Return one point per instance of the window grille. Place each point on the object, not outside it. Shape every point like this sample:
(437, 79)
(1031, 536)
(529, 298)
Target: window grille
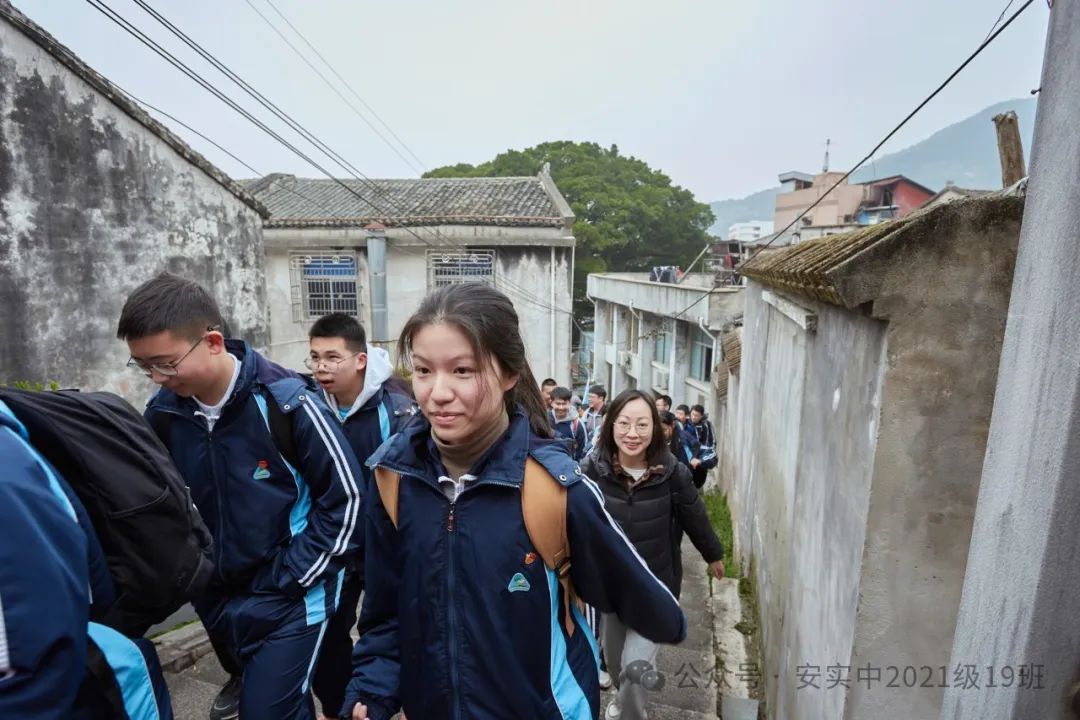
(447, 267)
(324, 284)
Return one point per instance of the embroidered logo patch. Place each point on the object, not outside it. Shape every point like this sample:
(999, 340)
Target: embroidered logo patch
(518, 583)
(262, 472)
(530, 558)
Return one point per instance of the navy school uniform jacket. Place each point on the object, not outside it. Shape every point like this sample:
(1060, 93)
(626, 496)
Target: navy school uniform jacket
(54, 582)
(379, 411)
(572, 429)
(706, 437)
(292, 526)
(684, 444)
(462, 619)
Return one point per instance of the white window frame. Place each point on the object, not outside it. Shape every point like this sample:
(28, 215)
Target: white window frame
(452, 267)
(703, 344)
(322, 282)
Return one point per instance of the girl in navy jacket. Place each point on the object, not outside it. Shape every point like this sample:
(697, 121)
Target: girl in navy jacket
(461, 618)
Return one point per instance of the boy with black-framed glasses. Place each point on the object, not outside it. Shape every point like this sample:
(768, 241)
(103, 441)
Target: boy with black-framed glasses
(274, 479)
(359, 386)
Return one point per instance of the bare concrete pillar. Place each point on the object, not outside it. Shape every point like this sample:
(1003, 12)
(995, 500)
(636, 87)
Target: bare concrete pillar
(1010, 148)
(1019, 615)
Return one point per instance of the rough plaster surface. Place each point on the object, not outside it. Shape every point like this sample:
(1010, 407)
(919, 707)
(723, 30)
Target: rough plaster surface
(800, 482)
(1020, 603)
(945, 296)
(856, 463)
(91, 204)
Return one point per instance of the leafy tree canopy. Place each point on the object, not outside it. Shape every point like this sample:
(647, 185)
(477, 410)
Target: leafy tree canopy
(629, 217)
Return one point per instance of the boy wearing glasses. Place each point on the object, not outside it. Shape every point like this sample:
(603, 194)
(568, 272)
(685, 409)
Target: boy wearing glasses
(358, 385)
(283, 529)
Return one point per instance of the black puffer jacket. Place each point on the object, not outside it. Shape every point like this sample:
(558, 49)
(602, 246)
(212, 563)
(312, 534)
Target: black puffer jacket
(655, 513)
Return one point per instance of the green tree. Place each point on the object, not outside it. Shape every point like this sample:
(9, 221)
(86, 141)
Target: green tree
(629, 217)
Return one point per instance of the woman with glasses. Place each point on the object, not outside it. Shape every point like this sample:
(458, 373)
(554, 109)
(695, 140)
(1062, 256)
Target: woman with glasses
(652, 497)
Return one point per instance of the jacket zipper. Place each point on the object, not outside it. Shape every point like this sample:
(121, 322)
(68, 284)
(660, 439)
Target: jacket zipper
(219, 536)
(452, 607)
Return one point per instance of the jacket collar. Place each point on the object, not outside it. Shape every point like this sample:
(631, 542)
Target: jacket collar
(413, 451)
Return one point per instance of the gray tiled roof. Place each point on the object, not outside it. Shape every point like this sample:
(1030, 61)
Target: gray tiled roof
(303, 202)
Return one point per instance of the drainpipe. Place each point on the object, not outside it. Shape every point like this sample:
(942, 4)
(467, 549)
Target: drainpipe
(637, 315)
(705, 329)
(552, 313)
(674, 354)
(592, 370)
(376, 252)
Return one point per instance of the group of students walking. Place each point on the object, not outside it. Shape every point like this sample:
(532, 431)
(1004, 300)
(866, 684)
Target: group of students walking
(476, 536)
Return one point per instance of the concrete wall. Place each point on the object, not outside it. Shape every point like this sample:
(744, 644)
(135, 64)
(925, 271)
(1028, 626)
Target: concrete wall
(946, 305)
(803, 432)
(524, 271)
(857, 454)
(1020, 604)
(92, 203)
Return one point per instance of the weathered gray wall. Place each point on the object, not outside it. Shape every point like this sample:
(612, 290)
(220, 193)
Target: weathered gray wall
(91, 204)
(803, 434)
(1020, 601)
(858, 454)
(945, 293)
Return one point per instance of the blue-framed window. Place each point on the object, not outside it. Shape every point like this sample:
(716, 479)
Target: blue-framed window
(328, 284)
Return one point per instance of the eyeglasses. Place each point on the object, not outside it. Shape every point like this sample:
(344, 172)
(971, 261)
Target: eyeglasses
(169, 369)
(331, 364)
(623, 426)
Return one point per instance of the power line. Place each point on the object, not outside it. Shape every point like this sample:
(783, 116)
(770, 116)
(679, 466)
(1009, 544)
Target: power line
(992, 27)
(330, 85)
(258, 96)
(133, 30)
(346, 84)
(184, 125)
(295, 125)
(982, 46)
(296, 192)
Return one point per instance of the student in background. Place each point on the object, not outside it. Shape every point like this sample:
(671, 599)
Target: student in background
(283, 507)
(546, 387)
(706, 436)
(594, 414)
(663, 403)
(358, 385)
(682, 415)
(682, 442)
(566, 424)
(462, 618)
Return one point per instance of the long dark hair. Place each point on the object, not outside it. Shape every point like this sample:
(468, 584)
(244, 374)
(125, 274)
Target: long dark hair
(654, 453)
(487, 318)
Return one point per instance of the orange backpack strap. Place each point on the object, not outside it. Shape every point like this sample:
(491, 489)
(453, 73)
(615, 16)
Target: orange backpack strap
(543, 505)
(388, 482)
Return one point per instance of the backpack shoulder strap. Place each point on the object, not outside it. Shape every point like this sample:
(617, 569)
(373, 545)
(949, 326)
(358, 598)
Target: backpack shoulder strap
(281, 429)
(161, 424)
(543, 506)
(388, 483)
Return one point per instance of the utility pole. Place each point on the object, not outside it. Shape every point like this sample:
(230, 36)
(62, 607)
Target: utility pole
(1010, 148)
(1020, 606)
(825, 167)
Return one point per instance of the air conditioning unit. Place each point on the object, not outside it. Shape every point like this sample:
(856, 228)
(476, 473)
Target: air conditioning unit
(625, 358)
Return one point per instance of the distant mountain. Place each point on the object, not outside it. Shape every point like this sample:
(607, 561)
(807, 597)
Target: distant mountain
(964, 153)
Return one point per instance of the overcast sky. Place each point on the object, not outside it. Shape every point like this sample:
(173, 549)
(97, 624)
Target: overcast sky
(720, 95)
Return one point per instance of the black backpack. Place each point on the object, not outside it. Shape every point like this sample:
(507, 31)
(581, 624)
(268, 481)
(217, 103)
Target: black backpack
(156, 545)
